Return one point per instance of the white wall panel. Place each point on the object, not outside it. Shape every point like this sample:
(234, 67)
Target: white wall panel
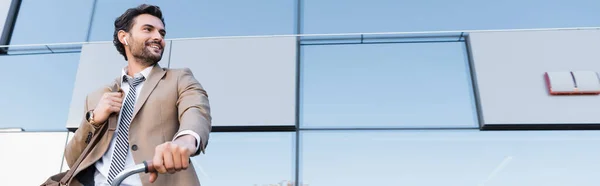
(29, 158)
(250, 81)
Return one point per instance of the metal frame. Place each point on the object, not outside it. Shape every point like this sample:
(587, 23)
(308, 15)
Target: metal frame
(299, 25)
(9, 25)
(440, 34)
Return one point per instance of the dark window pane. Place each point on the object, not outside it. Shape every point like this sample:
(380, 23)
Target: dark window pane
(56, 21)
(386, 85)
(335, 16)
(36, 90)
(253, 158)
(200, 18)
(467, 157)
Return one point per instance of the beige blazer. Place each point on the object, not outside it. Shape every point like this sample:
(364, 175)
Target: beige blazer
(170, 101)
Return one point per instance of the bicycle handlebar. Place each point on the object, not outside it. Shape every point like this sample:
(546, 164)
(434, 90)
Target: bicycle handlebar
(145, 167)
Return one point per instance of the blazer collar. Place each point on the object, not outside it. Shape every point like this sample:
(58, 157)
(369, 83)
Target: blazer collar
(156, 74)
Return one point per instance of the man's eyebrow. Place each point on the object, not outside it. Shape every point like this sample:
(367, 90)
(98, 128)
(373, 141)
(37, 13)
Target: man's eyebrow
(152, 26)
(148, 25)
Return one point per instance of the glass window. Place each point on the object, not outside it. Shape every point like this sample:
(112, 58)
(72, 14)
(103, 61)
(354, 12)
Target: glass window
(248, 158)
(36, 90)
(386, 85)
(56, 21)
(200, 18)
(461, 157)
(335, 16)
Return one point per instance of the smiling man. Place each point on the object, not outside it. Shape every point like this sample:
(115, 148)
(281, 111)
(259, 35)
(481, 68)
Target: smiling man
(159, 114)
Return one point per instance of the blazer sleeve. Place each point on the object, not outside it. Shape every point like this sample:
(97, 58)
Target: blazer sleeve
(193, 108)
(80, 139)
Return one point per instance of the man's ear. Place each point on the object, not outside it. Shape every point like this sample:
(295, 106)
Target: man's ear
(122, 37)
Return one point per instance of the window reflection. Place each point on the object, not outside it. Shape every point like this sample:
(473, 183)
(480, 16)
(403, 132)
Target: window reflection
(37, 90)
(248, 158)
(193, 18)
(56, 21)
(386, 85)
(462, 157)
(342, 16)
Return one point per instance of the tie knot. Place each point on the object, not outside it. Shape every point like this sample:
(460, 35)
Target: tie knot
(134, 82)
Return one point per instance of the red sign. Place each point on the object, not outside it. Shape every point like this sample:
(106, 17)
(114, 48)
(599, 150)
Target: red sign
(572, 83)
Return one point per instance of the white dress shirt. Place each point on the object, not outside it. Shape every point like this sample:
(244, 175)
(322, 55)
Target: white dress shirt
(103, 165)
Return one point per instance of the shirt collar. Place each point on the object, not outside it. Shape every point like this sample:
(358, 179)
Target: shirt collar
(145, 72)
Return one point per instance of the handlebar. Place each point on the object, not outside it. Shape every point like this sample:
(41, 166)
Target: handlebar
(145, 167)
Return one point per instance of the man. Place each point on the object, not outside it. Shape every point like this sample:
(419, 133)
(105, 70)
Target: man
(161, 115)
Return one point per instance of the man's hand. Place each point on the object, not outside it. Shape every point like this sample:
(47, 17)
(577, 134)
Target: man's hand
(110, 102)
(173, 156)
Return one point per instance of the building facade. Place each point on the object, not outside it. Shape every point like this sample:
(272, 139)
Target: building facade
(330, 92)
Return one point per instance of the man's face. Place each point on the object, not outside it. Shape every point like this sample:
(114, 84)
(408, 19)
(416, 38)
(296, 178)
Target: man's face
(147, 39)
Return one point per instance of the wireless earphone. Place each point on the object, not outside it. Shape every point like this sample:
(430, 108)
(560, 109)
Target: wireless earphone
(125, 38)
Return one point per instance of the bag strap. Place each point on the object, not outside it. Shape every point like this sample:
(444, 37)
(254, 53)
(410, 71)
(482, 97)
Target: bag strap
(102, 130)
(84, 154)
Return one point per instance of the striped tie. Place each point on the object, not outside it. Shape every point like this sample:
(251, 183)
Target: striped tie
(122, 145)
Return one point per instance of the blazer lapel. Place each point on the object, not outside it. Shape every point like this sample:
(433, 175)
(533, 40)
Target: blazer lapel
(156, 75)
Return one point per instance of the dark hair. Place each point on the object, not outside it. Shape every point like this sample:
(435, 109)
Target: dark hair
(126, 21)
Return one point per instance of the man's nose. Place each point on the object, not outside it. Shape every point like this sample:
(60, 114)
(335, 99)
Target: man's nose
(156, 36)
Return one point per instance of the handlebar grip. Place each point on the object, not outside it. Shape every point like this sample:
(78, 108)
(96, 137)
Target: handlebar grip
(149, 166)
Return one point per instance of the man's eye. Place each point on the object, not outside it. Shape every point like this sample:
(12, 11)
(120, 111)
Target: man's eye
(147, 29)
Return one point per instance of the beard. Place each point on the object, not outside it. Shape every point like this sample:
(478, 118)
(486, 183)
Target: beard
(143, 54)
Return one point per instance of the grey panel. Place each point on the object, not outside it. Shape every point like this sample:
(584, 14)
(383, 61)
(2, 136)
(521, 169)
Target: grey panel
(509, 69)
(99, 65)
(8, 10)
(250, 81)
